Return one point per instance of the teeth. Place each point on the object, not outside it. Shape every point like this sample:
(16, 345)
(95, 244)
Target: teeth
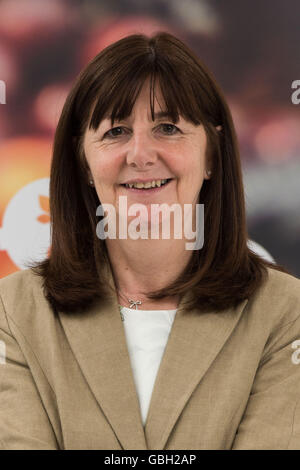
(149, 184)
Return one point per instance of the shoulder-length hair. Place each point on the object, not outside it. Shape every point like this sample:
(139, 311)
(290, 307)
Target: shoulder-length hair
(225, 271)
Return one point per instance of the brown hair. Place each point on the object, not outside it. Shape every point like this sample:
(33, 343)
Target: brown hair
(225, 271)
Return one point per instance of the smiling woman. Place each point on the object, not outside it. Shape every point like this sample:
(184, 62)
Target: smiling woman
(170, 87)
(139, 343)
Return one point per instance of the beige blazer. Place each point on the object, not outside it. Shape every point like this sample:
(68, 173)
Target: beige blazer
(227, 380)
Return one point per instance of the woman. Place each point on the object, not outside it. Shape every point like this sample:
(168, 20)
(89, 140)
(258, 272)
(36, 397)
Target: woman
(137, 342)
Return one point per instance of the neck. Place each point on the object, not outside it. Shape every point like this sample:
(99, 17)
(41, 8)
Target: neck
(141, 266)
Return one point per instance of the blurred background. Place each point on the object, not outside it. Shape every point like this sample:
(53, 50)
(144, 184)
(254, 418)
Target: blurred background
(251, 47)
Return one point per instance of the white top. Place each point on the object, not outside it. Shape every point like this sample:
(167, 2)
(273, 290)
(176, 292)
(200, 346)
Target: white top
(147, 333)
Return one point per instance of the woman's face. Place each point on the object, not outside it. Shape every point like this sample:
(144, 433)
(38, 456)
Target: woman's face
(139, 149)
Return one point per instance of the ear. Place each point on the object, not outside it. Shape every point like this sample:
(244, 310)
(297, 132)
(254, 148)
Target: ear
(207, 174)
(208, 166)
(219, 128)
(89, 175)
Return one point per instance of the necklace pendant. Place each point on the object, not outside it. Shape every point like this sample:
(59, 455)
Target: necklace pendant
(134, 303)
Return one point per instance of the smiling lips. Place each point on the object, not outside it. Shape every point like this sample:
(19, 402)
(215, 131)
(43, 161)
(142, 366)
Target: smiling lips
(147, 184)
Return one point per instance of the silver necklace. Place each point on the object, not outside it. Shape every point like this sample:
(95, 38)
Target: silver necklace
(132, 303)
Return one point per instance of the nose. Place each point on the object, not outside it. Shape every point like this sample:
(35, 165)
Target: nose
(141, 151)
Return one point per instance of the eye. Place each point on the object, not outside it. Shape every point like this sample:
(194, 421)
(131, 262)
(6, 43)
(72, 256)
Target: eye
(170, 127)
(112, 134)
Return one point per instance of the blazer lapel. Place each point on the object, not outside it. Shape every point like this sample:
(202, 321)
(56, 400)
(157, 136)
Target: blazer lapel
(98, 341)
(194, 341)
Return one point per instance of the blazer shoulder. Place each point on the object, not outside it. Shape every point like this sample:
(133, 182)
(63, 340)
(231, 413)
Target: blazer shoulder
(278, 296)
(21, 293)
(19, 280)
(282, 283)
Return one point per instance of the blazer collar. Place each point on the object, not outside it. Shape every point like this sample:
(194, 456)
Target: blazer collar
(98, 341)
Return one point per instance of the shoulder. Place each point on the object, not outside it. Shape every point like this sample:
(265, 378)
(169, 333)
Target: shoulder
(18, 278)
(21, 283)
(22, 295)
(280, 285)
(278, 298)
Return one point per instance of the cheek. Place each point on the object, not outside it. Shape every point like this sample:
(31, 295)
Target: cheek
(106, 170)
(189, 165)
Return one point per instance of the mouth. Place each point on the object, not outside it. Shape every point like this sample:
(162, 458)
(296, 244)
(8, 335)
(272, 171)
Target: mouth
(149, 190)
